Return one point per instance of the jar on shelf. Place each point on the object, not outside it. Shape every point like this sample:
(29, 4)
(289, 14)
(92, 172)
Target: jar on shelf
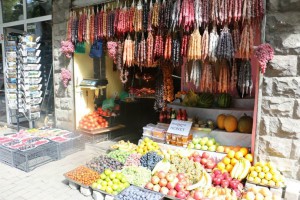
(168, 138)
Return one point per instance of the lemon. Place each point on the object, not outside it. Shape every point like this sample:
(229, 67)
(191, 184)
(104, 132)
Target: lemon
(253, 174)
(264, 181)
(265, 169)
(261, 175)
(257, 180)
(268, 176)
(258, 169)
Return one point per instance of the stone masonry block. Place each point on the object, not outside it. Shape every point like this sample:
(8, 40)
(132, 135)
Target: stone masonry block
(282, 6)
(264, 126)
(287, 87)
(297, 109)
(62, 115)
(296, 150)
(291, 41)
(277, 107)
(267, 86)
(274, 146)
(287, 166)
(288, 128)
(66, 104)
(282, 66)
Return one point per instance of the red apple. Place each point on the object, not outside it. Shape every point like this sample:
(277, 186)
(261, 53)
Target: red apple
(176, 180)
(183, 182)
(217, 181)
(198, 195)
(164, 190)
(172, 192)
(149, 186)
(210, 164)
(179, 187)
(205, 155)
(203, 161)
(237, 192)
(226, 175)
(163, 182)
(224, 183)
(156, 188)
(196, 153)
(155, 180)
(171, 185)
(197, 159)
(170, 177)
(216, 172)
(180, 195)
(233, 184)
(181, 176)
(161, 174)
(187, 193)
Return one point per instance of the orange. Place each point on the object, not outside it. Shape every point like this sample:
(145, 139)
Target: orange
(236, 148)
(233, 161)
(229, 167)
(226, 149)
(244, 151)
(220, 121)
(249, 157)
(220, 149)
(226, 160)
(231, 154)
(238, 155)
(221, 165)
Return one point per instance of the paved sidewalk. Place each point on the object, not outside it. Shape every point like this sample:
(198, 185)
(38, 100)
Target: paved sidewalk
(46, 182)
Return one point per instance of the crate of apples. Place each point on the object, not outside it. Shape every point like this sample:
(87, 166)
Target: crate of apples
(205, 160)
(92, 122)
(104, 113)
(171, 184)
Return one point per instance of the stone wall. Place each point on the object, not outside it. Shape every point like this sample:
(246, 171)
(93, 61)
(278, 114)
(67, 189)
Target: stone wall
(278, 136)
(64, 97)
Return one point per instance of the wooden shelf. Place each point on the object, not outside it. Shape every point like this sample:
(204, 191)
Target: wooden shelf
(102, 130)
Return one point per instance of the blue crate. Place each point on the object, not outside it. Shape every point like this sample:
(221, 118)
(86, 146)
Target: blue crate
(7, 155)
(33, 158)
(71, 146)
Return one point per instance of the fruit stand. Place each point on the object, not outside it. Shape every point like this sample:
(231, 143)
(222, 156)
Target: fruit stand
(150, 170)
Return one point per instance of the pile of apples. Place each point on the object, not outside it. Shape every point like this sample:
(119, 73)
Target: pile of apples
(225, 181)
(205, 160)
(205, 144)
(259, 193)
(171, 183)
(92, 122)
(105, 113)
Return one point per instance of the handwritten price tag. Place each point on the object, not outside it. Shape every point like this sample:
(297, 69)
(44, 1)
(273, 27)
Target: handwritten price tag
(180, 127)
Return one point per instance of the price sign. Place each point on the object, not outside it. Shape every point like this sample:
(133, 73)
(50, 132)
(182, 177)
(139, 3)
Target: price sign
(180, 127)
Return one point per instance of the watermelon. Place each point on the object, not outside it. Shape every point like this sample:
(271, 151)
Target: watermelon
(206, 100)
(224, 100)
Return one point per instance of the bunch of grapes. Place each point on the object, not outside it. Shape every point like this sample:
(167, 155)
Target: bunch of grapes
(150, 159)
(65, 76)
(67, 48)
(133, 160)
(119, 155)
(138, 193)
(138, 176)
(102, 162)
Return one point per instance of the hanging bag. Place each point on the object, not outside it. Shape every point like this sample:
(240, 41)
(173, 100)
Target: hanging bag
(80, 47)
(96, 49)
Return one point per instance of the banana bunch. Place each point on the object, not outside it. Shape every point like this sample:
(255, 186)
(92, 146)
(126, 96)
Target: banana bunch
(204, 181)
(124, 146)
(241, 169)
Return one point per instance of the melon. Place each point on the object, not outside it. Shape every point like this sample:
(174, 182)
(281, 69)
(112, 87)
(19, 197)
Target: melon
(220, 121)
(245, 124)
(230, 123)
(206, 100)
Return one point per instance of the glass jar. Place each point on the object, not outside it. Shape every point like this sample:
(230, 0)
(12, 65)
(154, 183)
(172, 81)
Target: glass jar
(49, 121)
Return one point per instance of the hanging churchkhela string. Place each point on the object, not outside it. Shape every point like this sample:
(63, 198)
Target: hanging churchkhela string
(214, 12)
(128, 54)
(120, 55)
(233, 77)
(146, 10)
(138, 17)
(195, 73)
(150, 49)
(175, 14)
(112, 50)
(205, 44)
(187, 15)
(155, 15)
(130, 18)
(245, 83)
(236, 37)
(142, 51)
(194, 48)
(208, 80)
(198, 12)
(225, 45)
(205, 11)
(168, 94)
(175, 56)
(158, 46)
(184, 45)
(224, 77)
(168, 48)
(237, 10)
(213, 44)
(246, 44)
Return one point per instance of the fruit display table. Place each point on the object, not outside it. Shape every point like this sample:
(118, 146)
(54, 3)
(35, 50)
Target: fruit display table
(100, 135)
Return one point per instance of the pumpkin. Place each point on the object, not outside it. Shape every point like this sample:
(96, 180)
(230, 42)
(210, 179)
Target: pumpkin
(245, 124)
(220, 121)
(230, 123)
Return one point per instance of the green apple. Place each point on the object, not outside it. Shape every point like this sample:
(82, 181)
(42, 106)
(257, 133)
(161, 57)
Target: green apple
(103, 176)
(210, 142)
(205, 139)
(115, 187)
(107, 172)
(94, 185)
(217, 144)
(191, 145)
(112, 176)
(100, 187)
(110, 183)
(203, 142)
(104, 183)
(119, 176)
(198, 146)
(123, 180)
(126, 185)
(196, 140)
(212, 148)
(116, 181)
(204, 148)
(109, 190)
(103, 188)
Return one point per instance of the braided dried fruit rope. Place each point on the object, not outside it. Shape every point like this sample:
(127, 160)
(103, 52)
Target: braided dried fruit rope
(246, 45)
(205, 44)
(194, 48)
(213, 44)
